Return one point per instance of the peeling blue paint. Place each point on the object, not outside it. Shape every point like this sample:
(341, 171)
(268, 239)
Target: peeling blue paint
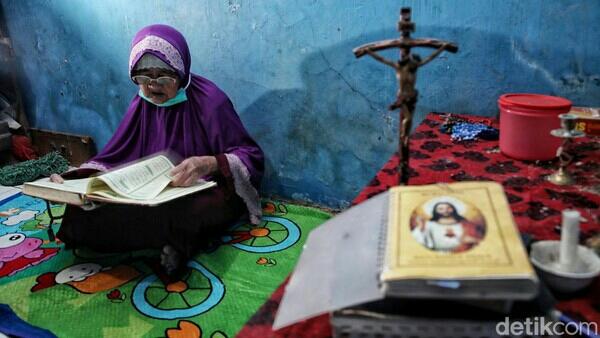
(319, 113)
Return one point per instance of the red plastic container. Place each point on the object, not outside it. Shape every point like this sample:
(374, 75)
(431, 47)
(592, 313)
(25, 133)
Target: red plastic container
(525, 124)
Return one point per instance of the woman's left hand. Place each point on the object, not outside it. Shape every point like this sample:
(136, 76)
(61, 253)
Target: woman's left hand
(191, 169)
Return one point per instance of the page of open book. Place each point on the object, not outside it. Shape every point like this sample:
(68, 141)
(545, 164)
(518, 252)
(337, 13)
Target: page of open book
(78, 186)
(169, 193)
(143, 180)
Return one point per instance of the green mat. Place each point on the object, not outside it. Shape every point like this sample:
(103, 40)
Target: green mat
(85, 294)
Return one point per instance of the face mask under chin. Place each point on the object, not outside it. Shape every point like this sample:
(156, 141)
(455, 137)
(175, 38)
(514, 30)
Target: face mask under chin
(178, 98)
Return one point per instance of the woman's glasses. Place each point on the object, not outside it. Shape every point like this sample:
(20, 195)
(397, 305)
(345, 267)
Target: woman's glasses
(161, 81)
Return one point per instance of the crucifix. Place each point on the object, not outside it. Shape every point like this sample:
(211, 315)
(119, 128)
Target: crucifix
(406, 73)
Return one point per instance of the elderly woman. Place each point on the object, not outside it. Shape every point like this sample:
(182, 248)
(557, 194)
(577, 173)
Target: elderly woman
(177, 111)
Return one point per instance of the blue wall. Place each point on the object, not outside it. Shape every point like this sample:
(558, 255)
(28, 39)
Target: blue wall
(318, 113)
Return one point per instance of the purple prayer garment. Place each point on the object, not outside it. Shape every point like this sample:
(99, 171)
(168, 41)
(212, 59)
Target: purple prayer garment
(205, 124)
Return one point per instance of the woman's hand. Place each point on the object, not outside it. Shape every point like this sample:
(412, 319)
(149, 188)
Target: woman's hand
(56, 178)
(188, 171)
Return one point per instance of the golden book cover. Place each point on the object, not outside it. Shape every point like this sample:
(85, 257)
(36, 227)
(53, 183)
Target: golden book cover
(459, 237)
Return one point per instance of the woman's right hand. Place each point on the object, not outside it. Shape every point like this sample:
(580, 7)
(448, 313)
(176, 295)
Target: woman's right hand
(189, 170)
(56, 178)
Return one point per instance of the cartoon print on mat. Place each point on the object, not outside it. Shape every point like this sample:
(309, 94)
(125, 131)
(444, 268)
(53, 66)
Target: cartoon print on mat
(87, 277)
(242, 235)
(42, 220)
(116, 296)
(9, 212)
(18, 252)
(187, 329)
(273, 234)
(21, 210)
(268, 262)
(201, 290)
(150, 304)
(197, 292)
(24, 215)
(271, 209)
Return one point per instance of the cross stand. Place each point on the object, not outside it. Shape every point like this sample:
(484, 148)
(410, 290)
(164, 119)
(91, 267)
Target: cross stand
(406, 73)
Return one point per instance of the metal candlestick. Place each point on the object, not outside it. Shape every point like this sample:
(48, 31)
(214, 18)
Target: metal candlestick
(567, 132)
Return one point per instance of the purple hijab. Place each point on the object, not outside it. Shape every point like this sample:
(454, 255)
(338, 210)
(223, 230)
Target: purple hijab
(205, 124)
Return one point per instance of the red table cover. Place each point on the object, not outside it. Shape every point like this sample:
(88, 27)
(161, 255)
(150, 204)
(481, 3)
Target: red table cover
(536, 203)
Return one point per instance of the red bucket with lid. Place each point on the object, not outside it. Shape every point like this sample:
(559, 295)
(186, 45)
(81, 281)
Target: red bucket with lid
(525, 124)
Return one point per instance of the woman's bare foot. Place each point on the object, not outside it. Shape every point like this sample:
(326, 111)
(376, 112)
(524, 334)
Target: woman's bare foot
(170, 260)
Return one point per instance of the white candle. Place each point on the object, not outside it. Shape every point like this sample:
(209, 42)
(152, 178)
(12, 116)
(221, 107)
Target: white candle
(569, 240)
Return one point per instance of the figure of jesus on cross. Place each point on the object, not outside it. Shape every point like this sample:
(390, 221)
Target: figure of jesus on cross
(406, 73)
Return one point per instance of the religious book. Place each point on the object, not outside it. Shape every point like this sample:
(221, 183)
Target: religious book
(454, 241)
(145, 182)
(432, 244)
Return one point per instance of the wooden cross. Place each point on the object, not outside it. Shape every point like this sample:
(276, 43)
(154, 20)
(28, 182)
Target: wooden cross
(406, 73)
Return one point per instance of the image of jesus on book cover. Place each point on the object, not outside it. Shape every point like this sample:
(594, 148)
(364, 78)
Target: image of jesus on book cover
(447, 224)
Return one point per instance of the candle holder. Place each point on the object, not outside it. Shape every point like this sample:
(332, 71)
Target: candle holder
(567, 132)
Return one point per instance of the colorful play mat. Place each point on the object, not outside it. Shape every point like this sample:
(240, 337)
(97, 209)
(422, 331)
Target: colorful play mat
(79, 293)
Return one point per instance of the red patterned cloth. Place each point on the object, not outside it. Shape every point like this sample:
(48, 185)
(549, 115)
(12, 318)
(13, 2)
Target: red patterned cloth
(22, 149)
(536, 203)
